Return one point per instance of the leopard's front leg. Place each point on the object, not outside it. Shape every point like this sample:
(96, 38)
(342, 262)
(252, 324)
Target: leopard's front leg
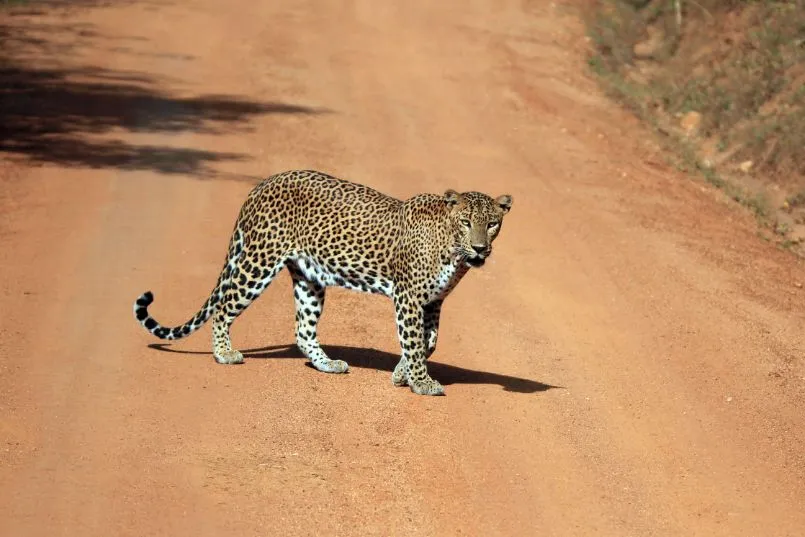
(411, 331)
(431, 313)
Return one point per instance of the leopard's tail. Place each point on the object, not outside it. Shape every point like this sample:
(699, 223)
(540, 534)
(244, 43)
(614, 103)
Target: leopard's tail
(206, 311)
(179, 332)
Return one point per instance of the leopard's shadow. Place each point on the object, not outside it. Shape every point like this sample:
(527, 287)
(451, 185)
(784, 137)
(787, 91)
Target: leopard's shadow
(376, 359)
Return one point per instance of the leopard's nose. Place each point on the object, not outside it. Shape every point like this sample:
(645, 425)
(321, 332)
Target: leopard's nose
(479, 248)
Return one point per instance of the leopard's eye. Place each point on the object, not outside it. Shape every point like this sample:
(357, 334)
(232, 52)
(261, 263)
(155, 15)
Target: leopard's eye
(465, 222)
(492, 225)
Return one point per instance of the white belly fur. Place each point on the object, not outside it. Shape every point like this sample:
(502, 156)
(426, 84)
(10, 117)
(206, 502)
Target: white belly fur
(326, 278)
(321, 275)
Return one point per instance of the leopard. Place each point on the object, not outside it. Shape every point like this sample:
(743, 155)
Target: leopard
(327, 232)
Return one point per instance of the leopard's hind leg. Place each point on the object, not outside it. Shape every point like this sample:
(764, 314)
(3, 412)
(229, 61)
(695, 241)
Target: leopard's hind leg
(250, 274)
(309, 298)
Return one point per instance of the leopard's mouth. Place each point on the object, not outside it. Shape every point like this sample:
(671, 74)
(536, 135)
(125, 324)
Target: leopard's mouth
(476, 262)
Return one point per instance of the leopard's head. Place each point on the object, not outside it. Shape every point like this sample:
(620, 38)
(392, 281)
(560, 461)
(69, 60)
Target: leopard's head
(475, 220)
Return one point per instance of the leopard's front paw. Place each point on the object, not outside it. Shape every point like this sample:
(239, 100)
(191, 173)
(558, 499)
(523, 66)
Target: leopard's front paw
(398, 376)
(426, 386)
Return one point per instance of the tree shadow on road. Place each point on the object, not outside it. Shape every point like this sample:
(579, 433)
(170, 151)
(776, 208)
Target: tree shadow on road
(70, 115)
(377, 359)
(54, 116)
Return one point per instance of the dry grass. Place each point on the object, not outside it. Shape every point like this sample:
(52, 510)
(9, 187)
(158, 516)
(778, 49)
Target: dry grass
(739, 64)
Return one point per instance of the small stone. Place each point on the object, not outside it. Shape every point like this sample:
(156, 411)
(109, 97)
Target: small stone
(650, 47)
(745, 166)
(645, 49)
(729, 399)
(690, 123)
(798, 285)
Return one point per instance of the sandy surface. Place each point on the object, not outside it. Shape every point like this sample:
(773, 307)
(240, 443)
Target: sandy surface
(629, 361)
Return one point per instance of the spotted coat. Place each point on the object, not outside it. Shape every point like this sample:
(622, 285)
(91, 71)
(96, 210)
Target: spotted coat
(331, 232)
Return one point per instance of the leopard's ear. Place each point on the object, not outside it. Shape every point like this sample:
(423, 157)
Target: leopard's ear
(504, 202)
(451, 197)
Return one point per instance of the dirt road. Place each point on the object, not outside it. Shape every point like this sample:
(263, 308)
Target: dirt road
(629, 362)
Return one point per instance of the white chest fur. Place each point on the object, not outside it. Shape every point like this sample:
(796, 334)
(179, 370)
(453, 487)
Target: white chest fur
(444, 281)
